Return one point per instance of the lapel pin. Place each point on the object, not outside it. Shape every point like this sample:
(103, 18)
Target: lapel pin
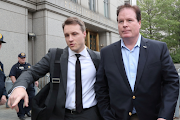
(144, 46)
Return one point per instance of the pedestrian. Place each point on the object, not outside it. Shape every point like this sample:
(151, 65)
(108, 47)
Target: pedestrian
(67, 107)
(136, 79)
(3, 94)
(15, 72)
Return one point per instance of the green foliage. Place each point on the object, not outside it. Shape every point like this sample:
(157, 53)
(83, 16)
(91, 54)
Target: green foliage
(161, 21)
(176, 56)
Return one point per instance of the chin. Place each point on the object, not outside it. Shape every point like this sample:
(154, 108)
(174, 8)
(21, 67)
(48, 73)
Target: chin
(73, 49)
(126, 36)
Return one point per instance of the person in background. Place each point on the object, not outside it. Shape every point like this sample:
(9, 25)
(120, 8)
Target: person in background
(136, 79)
(3, 94)
(15, 72)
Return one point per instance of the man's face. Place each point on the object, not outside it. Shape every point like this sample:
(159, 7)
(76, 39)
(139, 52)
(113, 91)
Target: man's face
(128, 25)
(75, 38)
(21, 60)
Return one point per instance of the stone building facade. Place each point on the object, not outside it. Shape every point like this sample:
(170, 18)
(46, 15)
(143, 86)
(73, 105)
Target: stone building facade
(44, 18)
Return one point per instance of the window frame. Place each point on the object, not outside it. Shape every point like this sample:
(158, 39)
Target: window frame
(127, 1)
(75, 1)
(92, 5)
(106, 8)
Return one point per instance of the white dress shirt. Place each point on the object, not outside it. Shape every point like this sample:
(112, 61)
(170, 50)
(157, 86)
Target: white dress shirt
(88, 77)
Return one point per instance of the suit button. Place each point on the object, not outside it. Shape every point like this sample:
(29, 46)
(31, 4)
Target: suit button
(130, 113)
(134, 97)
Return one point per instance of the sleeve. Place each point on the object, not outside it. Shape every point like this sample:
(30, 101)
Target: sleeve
(34, 73)
(2, 82)
(4, 92)
(170, 86)
(102, 92)
(13, 71)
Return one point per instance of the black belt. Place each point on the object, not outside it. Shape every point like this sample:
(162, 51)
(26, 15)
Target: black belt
(74, 111)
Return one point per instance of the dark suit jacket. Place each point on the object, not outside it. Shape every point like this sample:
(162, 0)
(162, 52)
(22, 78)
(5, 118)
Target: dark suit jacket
(156, 87)
(45, 65)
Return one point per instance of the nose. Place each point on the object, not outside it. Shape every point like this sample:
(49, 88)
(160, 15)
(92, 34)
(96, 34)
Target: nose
(70, 38)
(124, 24)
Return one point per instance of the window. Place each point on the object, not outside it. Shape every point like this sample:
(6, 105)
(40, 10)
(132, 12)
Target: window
(127, 1)
(92, 5)
(75, 1)
(106, 13)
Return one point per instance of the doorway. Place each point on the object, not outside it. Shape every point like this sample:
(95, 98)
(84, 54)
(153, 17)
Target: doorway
(92, 40)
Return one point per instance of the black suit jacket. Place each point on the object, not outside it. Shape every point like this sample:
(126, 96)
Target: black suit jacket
(156, 86)
(45, 65)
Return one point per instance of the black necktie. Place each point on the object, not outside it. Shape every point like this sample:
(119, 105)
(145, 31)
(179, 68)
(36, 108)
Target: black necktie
(79, 106)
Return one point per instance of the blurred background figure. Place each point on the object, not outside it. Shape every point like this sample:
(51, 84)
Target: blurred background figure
(15, 72)
(3, 94)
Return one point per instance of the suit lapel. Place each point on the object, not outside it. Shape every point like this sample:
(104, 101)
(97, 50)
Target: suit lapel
(94, 58)
(64, 65)
(142, 60)
(120, 64)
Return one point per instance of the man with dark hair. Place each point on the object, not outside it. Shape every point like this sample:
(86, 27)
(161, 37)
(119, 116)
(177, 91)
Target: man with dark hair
(136, 79)
(15, 72)
(71, 104)
(3, 94)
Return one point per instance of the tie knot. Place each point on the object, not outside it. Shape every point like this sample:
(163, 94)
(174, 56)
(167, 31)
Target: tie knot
(78, 55)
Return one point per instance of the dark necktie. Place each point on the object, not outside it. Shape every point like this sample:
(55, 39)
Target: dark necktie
(79, 106)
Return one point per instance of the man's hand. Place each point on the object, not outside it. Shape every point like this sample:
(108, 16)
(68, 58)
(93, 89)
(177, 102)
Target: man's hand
(18, 94)
(3, 100)
(161, 119)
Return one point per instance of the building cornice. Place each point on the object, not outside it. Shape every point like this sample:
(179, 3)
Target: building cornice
(68, 8)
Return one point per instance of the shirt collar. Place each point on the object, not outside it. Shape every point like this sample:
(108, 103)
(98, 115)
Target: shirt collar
(137, 43)
(83, 52)
(21, 64)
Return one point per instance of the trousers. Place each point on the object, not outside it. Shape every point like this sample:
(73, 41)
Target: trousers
(88, 114)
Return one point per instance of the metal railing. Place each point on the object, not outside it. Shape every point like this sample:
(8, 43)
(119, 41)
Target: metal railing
(44, 80)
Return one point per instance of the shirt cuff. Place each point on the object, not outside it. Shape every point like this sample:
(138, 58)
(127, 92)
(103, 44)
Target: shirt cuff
(14, 89)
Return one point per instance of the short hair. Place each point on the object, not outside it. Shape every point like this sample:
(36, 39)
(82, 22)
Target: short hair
(134, 7)
(74, 21)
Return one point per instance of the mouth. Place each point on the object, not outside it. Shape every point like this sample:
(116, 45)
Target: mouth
(125, 31)
(71, 45)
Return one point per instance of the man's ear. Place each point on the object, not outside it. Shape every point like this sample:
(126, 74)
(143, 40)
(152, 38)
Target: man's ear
(84, 34)
(139, 24)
